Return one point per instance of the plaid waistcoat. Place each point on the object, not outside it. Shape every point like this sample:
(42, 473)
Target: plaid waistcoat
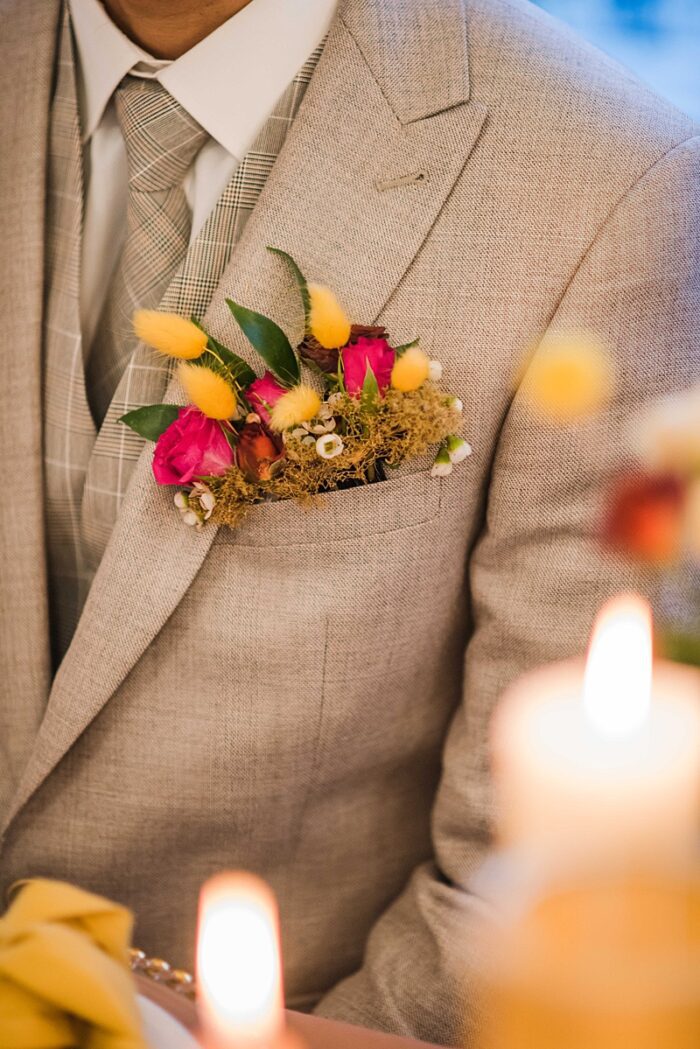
(87, 473)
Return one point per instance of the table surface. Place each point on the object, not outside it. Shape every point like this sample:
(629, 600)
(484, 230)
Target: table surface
(315, 1031)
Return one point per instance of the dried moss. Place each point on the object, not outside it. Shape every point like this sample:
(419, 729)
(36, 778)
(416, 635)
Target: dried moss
(402, 426)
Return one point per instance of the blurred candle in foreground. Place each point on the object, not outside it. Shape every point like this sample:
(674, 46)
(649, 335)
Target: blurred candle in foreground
(602, 759)
(239, 972)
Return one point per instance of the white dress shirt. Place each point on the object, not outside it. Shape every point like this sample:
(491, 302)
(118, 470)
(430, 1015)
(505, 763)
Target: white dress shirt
(229, 83)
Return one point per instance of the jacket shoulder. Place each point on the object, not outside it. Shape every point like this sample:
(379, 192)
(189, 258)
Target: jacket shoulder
(528, 67)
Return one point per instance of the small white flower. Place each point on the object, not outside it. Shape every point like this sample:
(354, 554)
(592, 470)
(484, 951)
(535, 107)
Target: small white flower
(206, 499)
(325, 411)
(456, 404)
(181, 501)
(329, 446)
(435, 371)
(207, 502)
(442, 467)
(308, 440)
(457, 448)
(299, 432)
(190, 518)
(334, 398)
(323, 427)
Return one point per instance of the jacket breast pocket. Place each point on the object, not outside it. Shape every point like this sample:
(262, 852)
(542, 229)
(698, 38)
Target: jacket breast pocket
(372, 509)
(297, 619)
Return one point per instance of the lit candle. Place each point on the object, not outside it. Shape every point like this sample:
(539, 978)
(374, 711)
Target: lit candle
(602, 758)
(239, 970)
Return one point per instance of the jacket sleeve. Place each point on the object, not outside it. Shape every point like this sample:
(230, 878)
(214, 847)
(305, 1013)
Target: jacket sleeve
(537, 577)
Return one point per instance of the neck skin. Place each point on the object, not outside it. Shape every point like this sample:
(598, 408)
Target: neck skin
(168, 28)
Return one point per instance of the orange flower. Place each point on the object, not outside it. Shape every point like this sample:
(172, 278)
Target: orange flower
(569, 378)
(645, 518)
(257, 451)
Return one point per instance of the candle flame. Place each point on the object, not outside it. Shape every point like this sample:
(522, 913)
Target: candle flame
(617, 682)
(238, 960)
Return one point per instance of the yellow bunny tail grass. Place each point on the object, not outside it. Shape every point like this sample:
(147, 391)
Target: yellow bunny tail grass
(298, 405)
(410, 370)
(327, 321)
(207, 391)
(570, 377)
(170, 334)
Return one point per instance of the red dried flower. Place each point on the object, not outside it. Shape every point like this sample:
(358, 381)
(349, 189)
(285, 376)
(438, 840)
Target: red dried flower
(312, 351)
(644, 518)
(257, 451)
(366, 331)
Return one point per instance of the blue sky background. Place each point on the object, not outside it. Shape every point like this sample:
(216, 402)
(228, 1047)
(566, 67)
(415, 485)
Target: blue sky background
(658, 39)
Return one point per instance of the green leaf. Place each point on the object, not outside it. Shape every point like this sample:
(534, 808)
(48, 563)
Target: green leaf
(329, 378)
(680, 646)
(301, 281)
(270, 342)
(153, 420)
(398, 350)
(370, 390)
(240, 370)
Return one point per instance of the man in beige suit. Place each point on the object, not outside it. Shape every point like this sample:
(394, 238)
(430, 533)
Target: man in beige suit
(308, 696)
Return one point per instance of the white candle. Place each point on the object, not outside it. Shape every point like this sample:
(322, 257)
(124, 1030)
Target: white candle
(602, 759)
(239, 971)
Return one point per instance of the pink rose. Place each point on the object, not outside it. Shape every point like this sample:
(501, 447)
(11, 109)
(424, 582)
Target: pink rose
(263, 394)
(193, 446)
(375, 352)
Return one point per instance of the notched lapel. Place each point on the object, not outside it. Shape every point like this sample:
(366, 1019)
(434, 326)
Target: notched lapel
(327, 202)
(324, 205)
(416, 50)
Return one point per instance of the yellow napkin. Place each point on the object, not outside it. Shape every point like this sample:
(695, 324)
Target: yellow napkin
(64, 976)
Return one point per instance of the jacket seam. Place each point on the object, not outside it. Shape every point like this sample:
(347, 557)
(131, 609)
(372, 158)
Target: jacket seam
(600, 231)
(595, 239)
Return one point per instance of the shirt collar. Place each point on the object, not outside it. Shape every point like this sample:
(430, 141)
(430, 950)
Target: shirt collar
(229, 82)
(105, 56)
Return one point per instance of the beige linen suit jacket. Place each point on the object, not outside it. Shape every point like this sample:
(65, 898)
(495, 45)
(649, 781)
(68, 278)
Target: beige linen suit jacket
(308, 696)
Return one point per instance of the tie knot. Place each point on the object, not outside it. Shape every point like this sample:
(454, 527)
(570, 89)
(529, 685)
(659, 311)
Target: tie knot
(161, 138)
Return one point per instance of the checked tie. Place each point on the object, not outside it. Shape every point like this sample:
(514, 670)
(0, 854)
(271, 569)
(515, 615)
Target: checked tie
(162, 141)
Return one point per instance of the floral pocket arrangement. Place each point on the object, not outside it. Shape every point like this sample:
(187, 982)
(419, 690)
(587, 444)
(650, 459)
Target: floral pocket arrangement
(365, 407)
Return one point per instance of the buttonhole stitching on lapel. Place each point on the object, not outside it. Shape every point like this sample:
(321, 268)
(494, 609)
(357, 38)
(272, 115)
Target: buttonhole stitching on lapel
(414, 179)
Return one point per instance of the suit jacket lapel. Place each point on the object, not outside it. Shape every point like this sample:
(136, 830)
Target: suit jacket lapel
(360, 180)
(27, 46)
